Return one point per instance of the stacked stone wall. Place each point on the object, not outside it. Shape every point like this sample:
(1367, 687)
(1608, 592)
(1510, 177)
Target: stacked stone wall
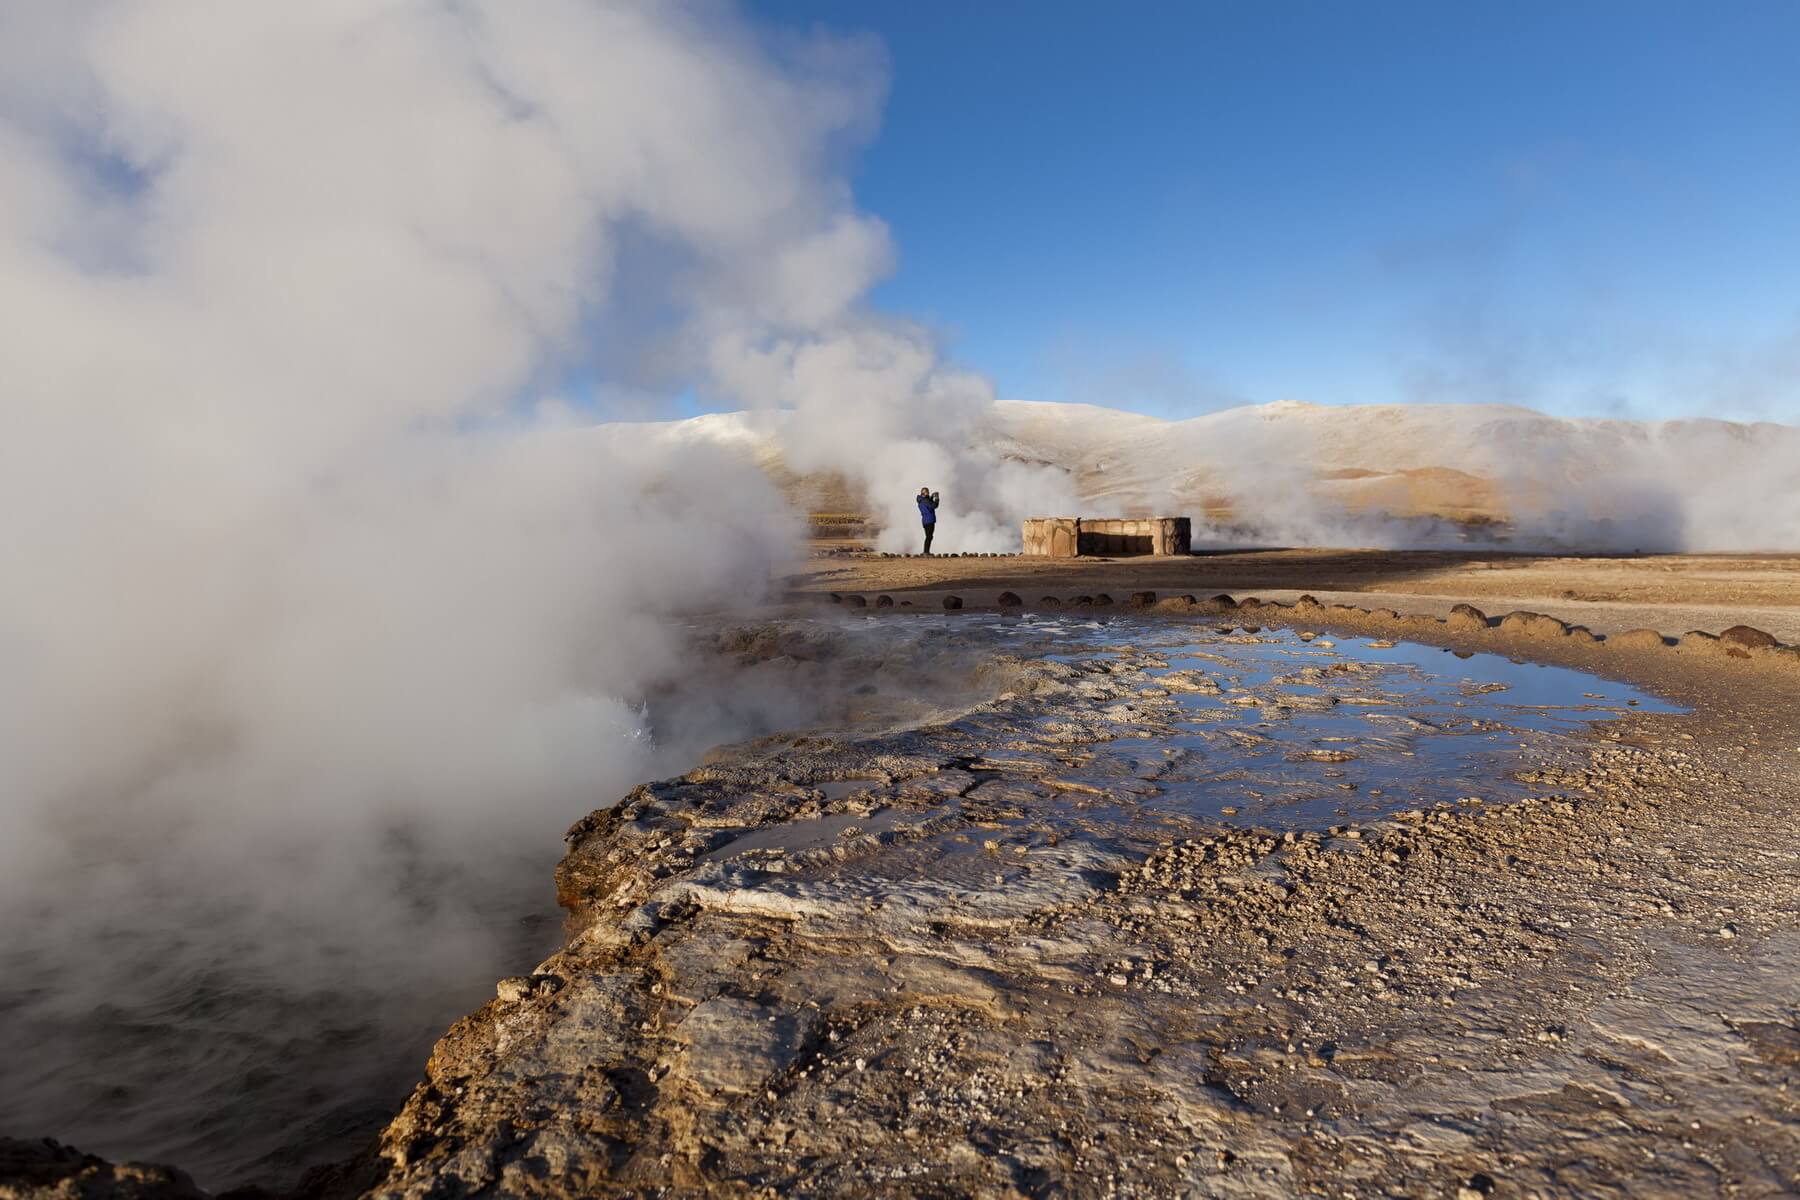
(1067, 537)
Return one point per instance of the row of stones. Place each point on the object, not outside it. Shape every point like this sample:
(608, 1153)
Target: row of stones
(1739, 641)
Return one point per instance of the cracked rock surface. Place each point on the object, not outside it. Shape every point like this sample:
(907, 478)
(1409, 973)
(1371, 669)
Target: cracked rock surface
(980, 957)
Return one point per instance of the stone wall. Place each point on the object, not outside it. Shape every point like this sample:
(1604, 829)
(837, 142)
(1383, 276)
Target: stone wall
(1066, 537)
(1052, 537)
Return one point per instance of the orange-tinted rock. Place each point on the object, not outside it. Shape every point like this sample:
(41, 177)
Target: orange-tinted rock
(1467, 616)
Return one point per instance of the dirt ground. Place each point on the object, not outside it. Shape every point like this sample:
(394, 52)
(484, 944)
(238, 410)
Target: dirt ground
(1672, 593)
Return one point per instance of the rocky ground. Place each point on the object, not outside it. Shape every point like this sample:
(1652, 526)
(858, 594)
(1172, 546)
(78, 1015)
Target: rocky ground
(965, 984)
(967, 959)
(1671, 592)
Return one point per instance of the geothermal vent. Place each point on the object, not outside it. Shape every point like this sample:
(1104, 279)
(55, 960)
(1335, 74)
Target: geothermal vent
(1066, 537)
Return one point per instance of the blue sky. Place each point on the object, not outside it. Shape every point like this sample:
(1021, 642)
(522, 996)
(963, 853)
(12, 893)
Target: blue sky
(1592, 208)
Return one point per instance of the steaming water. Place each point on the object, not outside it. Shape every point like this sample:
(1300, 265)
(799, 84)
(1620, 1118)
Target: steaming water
(171, 1038)
(167, 1035)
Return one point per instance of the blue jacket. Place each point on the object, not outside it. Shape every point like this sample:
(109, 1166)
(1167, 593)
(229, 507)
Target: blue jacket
(928, 510)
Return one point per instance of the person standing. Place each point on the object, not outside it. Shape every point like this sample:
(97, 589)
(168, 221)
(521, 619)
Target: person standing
(928, 503)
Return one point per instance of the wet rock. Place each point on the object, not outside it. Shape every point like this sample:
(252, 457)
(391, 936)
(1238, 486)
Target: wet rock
(1049, 602)
(884, 602)
(1638, 639)
(1009, 600)
(952, 602)
(1222, 601)
(1141, 599)
(1102, 600)
(856, 602)
(45, 1168)
(1744, 635)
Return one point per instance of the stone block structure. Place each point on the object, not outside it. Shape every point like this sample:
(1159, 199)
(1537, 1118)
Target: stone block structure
(1067, 537)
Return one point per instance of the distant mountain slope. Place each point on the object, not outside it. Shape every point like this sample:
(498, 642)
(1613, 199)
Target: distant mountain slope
(1305, 471)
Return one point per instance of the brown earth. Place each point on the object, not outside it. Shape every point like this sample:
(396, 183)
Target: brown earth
(1673, 593)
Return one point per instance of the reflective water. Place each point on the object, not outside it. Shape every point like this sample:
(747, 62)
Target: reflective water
(1296, 730)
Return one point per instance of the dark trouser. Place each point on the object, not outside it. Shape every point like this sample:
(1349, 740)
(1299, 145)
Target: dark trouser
(929, 530)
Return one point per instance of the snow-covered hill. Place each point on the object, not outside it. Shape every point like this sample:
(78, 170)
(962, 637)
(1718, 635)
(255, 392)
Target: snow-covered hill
(1377, 474)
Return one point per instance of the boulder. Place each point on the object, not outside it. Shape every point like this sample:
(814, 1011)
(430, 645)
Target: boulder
(952, 602)
(1698, 641)
(1010, 600)
(1638, 639)
(1141, 599)
(1049, 602)
(1752, 639)
(1467, 617)
(1102, 600)
(856, 602)
(1533, 625)
(41, 1167)
(884, 602)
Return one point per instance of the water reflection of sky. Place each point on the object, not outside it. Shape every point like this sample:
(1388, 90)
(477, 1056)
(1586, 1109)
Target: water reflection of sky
(1303, 732)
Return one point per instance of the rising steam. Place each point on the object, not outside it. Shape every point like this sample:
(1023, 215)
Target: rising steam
(318, 614)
